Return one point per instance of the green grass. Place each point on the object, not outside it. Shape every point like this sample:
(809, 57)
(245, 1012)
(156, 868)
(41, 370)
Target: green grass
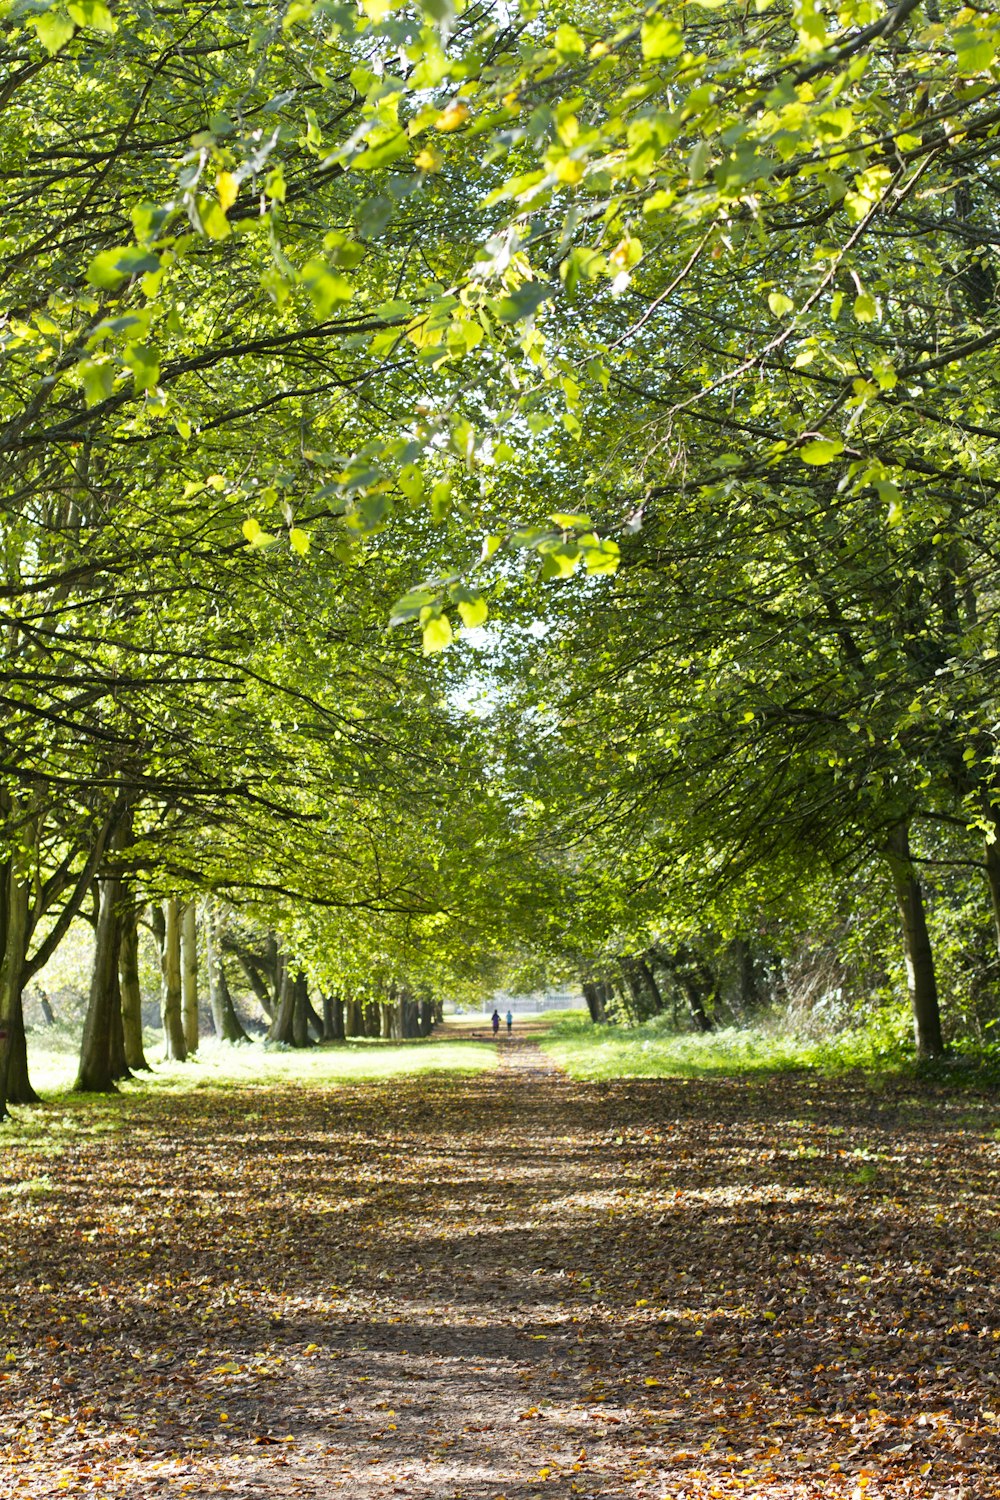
(587, 1051)
(52, 1063)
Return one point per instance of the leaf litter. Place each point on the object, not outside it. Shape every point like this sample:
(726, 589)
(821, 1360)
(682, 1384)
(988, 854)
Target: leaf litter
(507, 1285)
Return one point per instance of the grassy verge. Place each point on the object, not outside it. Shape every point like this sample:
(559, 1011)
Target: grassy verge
(52, 1062)
(651, 1051)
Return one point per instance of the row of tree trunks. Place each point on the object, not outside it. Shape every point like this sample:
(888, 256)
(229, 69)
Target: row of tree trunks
(597, 995)
(228, 1026)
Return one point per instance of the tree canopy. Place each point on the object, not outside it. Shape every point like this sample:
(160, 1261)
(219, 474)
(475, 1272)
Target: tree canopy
(502, 484)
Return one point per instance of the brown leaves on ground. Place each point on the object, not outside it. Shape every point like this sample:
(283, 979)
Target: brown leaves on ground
(508, 1285)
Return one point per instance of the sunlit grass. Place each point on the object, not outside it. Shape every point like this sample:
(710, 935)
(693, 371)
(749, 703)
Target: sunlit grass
(53, 1056)
(587, 1051)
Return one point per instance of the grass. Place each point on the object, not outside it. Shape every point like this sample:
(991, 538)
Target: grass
(883, 1046)
(53, 1055)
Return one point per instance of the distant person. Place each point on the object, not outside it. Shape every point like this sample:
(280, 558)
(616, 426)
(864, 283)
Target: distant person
(495, 1021)
(510, 1022)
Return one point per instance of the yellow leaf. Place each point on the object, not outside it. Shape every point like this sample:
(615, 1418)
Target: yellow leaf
(454, 117)
(227, 188)
(299, 541)
(652, 1380)
(428, 160)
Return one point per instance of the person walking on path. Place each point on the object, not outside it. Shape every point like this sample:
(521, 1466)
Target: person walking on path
(510, 1021)
(496, 1021)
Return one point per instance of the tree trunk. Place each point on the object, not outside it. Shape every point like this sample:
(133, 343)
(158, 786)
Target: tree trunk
(96, 1073)
(19, 1090)
(593, 995)
(116, 1039)
(300, 1012)
(228, 1027)
(354, 1017)
(254, 978)
(749, 994)
(14, 933)
(426, 1019)
(920, 978)
(131, 995)
(281, 1029)
(189, 976)
(46, 1006)
(651, 986)
(313, 1017)
(992, 852)
(170, 964)
(333, 1018)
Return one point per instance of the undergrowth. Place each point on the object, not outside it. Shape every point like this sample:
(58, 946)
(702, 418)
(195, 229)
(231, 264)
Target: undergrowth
(883, 1045)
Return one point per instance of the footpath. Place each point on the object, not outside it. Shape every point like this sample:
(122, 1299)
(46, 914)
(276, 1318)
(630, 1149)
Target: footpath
(508, 1285)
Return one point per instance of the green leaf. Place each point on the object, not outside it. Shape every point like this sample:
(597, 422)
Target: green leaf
(561, 562)
(474, 612)
(98, 381)
(524, 301)
(975, 49)
(410, 606)
(440, 500)
(892, 496)
(327, 289)
(411, 482)
(568, 521)
(780, 304)
(438, 634)
(568, 42)
(255, 534)
(213, 219)
(144, 362)
(604, 558)
(93, 14)
(299, 540)
(821, 451)
(661, 38)
(54, 30)
(111, 267)
(865, 308)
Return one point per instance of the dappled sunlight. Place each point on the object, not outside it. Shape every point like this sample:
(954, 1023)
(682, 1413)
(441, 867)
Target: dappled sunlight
(510, 1284)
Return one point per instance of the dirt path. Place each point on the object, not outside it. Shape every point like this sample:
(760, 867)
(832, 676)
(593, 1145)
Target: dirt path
(508, 1285)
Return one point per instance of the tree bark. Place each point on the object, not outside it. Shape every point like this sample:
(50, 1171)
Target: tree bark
(313, 1017)
(333, 1018)
(354, 1019)
(189, 976)
(281, 1028)
(131, 995)
(920, 977)
(592, 994)
(170, 964)
(116, 1039)
(14, 934)
(228, 1027)
(19, 1089)
(97, 1061)
(254, 978)
(992, 852)
(300, 1012)
(652, 988)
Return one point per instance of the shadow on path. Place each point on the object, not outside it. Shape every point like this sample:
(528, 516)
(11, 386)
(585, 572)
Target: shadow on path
(508, 1285)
